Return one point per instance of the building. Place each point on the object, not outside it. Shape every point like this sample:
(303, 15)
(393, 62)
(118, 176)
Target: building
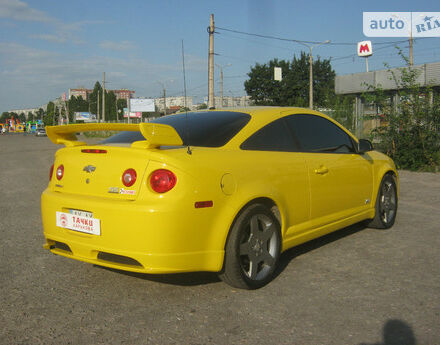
(230, 101)
(123, 93)
(80, 92)
(173, 102)
(358, 84)
(28, 111)
(84, 93)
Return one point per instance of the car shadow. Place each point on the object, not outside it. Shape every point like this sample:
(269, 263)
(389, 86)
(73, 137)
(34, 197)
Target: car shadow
(319, 242)
(204, 278)
(180, 279)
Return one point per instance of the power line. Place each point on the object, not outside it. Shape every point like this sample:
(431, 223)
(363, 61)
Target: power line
(294, 40)
(253, 41)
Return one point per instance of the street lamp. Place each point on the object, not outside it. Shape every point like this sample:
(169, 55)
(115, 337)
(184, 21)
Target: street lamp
(310, 46)
(221, 81)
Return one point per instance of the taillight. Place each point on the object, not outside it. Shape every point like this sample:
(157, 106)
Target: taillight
(51, 173)
(93, 151)
(129, 177)
(162, 180)
(60, 172)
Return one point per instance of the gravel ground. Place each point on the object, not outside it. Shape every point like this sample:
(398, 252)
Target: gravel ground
(356, 286)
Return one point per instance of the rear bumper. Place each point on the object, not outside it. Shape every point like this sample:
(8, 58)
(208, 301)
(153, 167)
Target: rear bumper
(135, 236)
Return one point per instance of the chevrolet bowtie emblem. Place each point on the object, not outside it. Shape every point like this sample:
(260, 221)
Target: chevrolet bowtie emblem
(89, 168)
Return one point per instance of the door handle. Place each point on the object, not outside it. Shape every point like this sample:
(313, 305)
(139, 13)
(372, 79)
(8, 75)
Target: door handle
(321, 170)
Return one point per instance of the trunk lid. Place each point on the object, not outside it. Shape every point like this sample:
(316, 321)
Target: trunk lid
(100, 174)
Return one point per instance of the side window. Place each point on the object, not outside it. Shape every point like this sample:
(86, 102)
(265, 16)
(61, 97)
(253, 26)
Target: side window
(317, 134)
(273, 137)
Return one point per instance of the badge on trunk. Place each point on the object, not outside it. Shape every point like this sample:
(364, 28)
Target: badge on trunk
(113, 190)
(89, 168)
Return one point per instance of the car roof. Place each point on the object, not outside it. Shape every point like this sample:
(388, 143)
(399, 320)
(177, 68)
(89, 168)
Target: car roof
(262, 115)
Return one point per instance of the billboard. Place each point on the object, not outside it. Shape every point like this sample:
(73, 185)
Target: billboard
(85, 116)
(142, 104)
(133, 114)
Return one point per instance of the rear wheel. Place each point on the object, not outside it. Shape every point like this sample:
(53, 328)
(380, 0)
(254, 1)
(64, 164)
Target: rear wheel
(386, 204)
(253, 248)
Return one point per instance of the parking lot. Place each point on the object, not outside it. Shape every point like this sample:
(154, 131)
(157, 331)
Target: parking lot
(356, 286)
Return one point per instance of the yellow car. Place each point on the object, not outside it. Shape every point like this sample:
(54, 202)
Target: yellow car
(223, 191)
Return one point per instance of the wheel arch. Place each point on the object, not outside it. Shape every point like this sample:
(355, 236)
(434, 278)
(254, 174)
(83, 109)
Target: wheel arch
(267, 202)
(381, 173)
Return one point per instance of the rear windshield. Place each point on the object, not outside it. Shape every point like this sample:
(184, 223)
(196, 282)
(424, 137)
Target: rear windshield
(206, 129)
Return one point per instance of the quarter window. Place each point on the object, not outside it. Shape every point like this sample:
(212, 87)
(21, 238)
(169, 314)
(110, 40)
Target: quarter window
(317, 134)
(273, 137)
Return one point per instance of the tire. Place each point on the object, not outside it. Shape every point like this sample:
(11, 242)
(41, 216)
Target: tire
(386, 204)
(252, 249)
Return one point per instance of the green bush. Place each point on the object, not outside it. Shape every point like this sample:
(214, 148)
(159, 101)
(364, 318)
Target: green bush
(410, 130)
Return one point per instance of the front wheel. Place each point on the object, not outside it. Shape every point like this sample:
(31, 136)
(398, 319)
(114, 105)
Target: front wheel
(252, 249)
(386, 204)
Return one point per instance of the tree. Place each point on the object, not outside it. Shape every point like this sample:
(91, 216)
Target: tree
(40, 114)
(4, 116)
(93, 99)
(77, 104)
(22, 118)
(110, 106)
(121, 104)
(49, 118)
(293, 89)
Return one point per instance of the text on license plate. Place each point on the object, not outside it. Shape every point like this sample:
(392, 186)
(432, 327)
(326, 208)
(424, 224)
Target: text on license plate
(77, 222)
(81, 213)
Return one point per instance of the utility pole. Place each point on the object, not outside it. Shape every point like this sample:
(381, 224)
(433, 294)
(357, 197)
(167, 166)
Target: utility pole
(221, 85)
(128, 106)
(67, 111)
(97, 108)
(221, 82)
(311, 69)
(211, 28)
(411, 58)
(164, 103)
(103, 97)
(310, 79)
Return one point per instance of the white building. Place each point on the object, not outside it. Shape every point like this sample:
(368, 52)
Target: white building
(173, 102)
(230, 101)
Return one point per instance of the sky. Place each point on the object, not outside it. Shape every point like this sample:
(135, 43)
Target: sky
(49, 46)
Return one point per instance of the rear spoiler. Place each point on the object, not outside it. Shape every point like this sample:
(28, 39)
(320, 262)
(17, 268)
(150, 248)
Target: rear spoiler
(155, 134)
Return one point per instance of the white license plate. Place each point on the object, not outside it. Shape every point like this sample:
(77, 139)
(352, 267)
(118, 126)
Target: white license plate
(82, 221)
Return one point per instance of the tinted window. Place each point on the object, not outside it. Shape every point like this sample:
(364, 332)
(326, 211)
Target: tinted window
(208, 129)
(316, 134)
(273, 137)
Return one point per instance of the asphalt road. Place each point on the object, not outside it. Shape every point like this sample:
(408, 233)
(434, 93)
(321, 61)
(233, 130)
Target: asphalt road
(356, 286)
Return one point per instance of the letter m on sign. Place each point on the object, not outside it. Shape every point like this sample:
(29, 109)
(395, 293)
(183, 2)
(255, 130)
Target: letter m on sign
(364, 48)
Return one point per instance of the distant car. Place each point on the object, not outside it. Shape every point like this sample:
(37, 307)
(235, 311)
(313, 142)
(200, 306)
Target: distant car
(222, 191)
(40, 132)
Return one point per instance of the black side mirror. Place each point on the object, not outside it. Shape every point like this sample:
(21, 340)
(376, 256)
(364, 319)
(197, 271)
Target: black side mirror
(365, 146)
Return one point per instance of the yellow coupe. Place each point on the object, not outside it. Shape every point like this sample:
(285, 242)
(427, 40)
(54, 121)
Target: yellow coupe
(220, 190)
